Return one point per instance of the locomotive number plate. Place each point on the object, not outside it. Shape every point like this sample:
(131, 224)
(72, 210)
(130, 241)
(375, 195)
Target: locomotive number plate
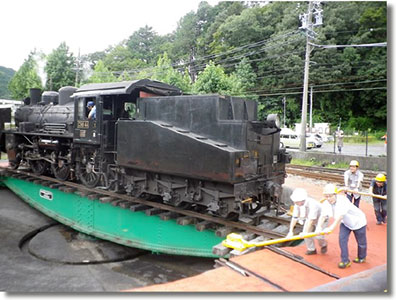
(82, 124)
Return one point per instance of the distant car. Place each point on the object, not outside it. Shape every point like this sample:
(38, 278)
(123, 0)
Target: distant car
(326, 137)
(318, 142)
(290, 139)
(317, 135)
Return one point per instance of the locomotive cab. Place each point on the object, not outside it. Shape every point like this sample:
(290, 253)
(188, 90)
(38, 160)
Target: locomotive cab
(85, 130)
(95, 139)
(102, 129)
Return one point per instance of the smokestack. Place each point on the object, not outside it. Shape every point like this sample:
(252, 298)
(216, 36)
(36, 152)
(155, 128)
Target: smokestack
(35, 96)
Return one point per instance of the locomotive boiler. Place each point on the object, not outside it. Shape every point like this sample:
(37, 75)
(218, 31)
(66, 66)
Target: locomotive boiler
(207, 153)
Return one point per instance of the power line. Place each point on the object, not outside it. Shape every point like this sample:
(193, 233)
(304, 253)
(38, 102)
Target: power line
(322, 91)
(384, 44)
(319, 85)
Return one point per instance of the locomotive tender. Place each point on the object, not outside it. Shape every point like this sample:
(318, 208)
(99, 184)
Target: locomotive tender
(202, 152)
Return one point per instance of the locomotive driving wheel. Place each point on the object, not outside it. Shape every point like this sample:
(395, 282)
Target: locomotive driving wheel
(87, 174)
(61, 170)
(39, 166)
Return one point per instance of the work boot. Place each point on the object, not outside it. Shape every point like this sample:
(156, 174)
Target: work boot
(343, 265)
(359, 260)
(379, 223)
(310, 252)
(323, 250)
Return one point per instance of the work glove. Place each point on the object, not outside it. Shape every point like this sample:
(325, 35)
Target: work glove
(326, 230)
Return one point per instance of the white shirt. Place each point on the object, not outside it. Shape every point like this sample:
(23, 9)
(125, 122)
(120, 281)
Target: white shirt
(310, 210)
(353, 217)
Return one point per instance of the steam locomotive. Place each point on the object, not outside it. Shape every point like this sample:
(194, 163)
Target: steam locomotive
(207, 153)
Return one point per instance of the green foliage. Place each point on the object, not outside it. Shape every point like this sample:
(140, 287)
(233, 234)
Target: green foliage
(101, 74)
(360, 123)
(255, 50)
(319, 163)
(145, 45)
(25, 78)
(212, 80)
(60, 68)
(5, 76)
(120, 58)
(243, 80)
(164, 72)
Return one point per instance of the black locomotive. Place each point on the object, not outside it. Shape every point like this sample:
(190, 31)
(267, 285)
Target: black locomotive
(203, 152)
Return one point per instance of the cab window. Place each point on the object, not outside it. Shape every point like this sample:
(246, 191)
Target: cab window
(82, 107)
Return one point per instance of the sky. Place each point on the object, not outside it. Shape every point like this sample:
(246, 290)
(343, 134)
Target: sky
(85, 25)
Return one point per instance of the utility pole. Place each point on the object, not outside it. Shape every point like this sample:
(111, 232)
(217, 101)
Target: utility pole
(284, 111)
(307, 26)
(77, 68)
(310, 110)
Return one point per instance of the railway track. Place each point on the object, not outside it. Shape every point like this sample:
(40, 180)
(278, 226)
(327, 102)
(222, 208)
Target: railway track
(183, 217)
(327, 174)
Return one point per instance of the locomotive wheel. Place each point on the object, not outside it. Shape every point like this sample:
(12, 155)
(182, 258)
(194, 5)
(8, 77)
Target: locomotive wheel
(61, 170)
(87, 175)
(14, 164)
(39, 166)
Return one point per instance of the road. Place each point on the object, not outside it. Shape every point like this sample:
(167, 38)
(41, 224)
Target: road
(351, 149)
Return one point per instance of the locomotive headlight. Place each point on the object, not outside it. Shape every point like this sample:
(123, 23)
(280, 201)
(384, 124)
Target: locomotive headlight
(274, 119)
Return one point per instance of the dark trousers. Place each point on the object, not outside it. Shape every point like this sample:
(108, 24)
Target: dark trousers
(380, 209)
(361, 239)
(355, 201)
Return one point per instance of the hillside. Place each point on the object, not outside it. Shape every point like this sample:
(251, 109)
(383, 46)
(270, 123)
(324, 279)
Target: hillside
(5, 77)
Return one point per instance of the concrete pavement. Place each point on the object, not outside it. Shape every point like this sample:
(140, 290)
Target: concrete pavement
(23, 272)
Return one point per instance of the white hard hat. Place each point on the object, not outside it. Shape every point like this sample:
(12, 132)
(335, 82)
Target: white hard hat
(330, 189)
(299, 194)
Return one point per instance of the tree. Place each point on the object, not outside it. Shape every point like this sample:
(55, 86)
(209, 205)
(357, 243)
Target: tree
(25, 78)
(121, 58)
(144, 44)
(101, 74)
(5, 77)
(212, 80)
(166, 73)
(244, 80)
(60, 68)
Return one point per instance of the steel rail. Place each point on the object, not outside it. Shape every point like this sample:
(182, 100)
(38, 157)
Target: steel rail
(324, 174)
(212, 219)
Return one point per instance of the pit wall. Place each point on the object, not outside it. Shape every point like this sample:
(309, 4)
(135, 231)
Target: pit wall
(366, 162)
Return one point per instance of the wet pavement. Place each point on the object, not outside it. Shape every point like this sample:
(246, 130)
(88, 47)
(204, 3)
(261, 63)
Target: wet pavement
(40, 255)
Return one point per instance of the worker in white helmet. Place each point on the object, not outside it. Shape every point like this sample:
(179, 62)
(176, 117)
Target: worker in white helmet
(353, 179)
(351, 219)
(307, 209)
